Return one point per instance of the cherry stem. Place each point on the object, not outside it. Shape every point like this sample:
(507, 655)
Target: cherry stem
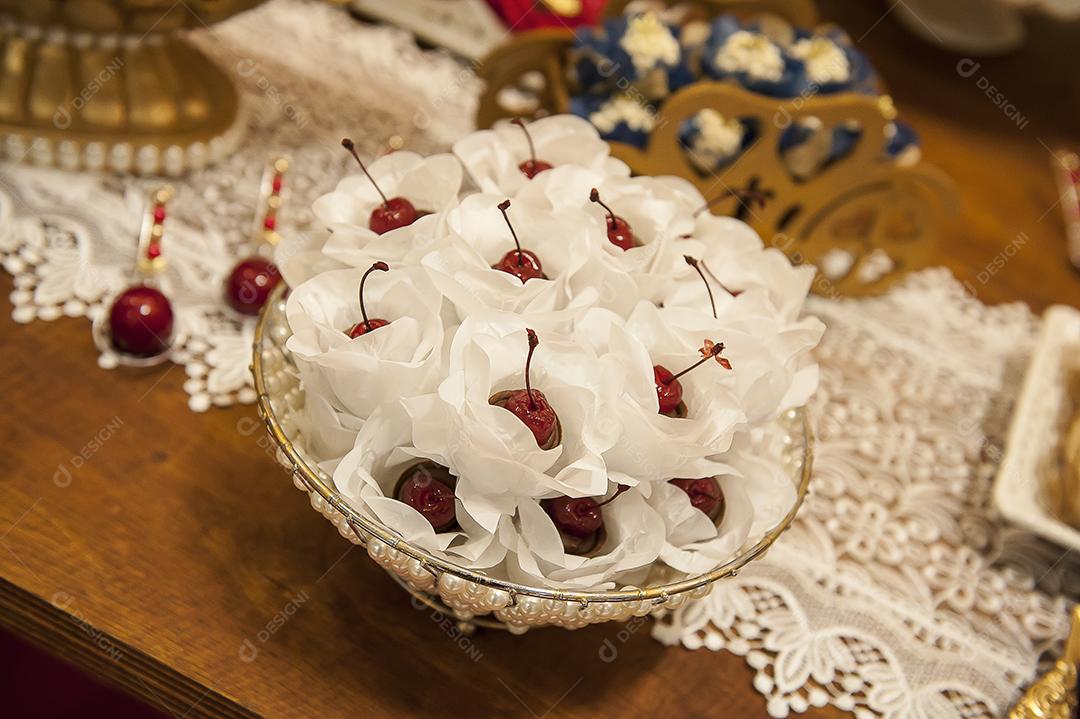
(381, 267)
(351, 147)
(528, 138)
(712, 275)
(503, 207)
(619, 489)
(594, 195)
(697, 268)
(747, 198)
(533, 342)
(713, 352)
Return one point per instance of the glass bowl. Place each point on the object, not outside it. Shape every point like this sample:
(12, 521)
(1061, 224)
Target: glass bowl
(472, 597)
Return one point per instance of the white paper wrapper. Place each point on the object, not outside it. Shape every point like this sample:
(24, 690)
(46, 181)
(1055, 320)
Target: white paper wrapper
(462, 268)
(694, 543)
(492, 156)
(368, 475)
(328, 433)
(431, 184)
(654, 208)
(657, 212)
(650, 447)
(493, 452)
(714, 412)
(403, 246)
(758, 494)
(756, 457)
(357, 375)
(771, 366)
(735, 258)
(759, 298)
(634, 539)
(300, 256)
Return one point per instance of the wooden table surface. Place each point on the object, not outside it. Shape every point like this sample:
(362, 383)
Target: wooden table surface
(168, 553)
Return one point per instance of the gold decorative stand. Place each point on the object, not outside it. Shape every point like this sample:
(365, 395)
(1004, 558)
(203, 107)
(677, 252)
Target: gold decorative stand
(863, 219)
(108, 85)
(878, 219)
(1054, 695)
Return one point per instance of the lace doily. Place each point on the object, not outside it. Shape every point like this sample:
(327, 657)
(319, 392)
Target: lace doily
(896, 592)
(69, 239)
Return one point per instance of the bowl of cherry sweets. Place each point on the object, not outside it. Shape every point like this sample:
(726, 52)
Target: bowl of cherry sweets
(537, 390)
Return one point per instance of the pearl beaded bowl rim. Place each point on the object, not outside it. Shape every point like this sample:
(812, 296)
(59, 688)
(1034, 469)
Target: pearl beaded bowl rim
(317, 481)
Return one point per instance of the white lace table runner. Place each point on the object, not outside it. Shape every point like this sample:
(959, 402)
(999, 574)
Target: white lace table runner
(896, 593)
(308, 75)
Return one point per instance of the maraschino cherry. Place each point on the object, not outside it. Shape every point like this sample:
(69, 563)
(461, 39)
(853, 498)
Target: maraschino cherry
(392, 213)
(250, 284)
(669, 390)
(253, 278)
(618, 229)
(523, 264)
(579, 521)
(141, 317)
(141, 321)
(705, 494)
(428, 488)
(368, 325)
(531, 167)
(531, 406)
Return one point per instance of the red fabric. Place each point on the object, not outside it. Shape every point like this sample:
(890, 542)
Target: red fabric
(521, 15)
(35, 684)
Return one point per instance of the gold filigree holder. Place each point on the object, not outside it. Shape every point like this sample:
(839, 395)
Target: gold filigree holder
(880, 218)
(1054, 695)
(861, 205)
(88, 84)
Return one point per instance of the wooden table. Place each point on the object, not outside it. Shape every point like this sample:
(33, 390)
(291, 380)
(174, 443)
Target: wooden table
(177, 560)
